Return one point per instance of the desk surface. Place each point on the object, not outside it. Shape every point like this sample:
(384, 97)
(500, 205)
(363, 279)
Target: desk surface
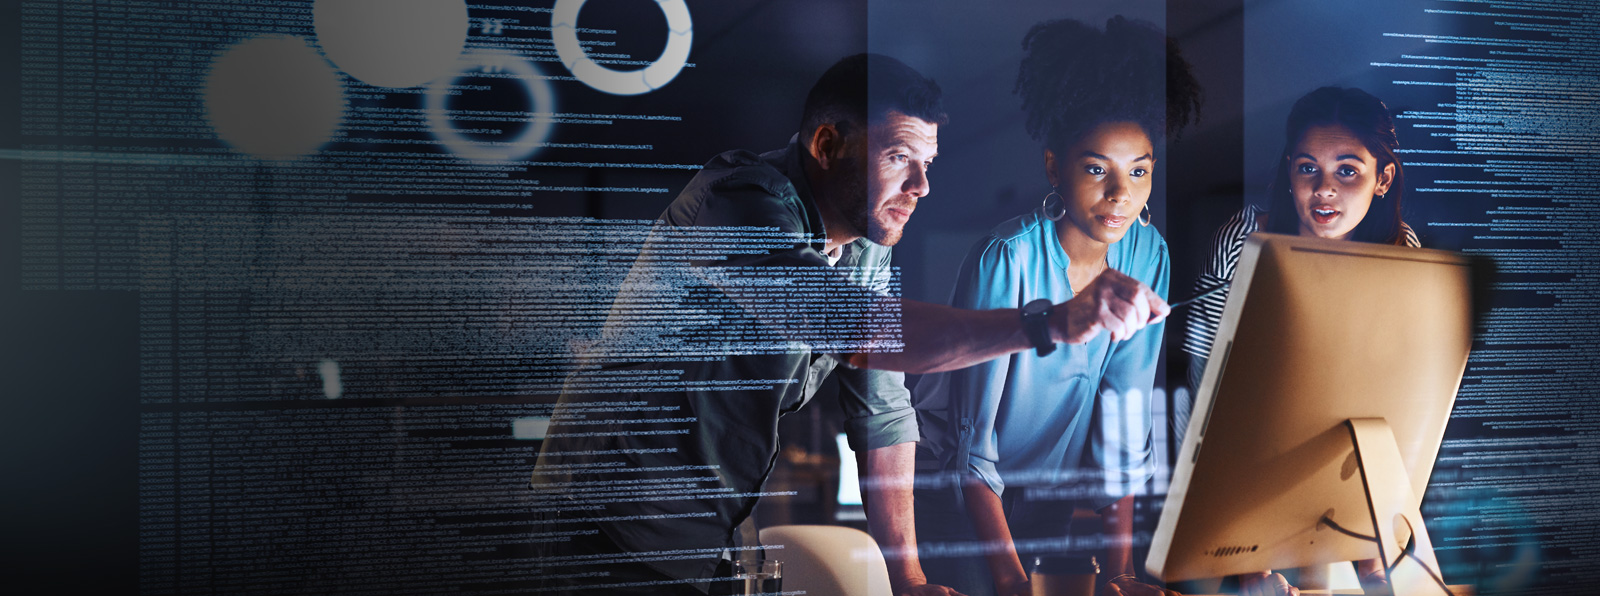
(1458, 590)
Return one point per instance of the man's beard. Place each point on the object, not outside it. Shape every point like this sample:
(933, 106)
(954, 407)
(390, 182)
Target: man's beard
(854, 206)
(882, 236)
(874, 231)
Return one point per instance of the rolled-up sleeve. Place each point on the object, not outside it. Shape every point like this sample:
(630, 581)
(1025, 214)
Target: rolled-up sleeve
(988, 279)
(877, 408)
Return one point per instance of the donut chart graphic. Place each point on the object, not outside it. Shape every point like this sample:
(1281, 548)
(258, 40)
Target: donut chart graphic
(680, 32)
(517, 148)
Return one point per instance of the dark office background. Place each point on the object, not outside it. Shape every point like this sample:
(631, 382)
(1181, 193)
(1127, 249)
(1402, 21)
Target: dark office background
(71, 357)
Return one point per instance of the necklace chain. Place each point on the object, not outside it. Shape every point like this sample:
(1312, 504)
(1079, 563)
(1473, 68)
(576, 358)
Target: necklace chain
(1105, 263)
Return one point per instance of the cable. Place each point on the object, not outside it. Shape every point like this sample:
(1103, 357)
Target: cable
(1340, 529)
(1410, 549)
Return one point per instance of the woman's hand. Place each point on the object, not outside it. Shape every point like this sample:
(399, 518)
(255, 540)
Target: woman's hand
(1265, 584)
(1113, 302)
(1128, 585)
(1372, 576)
(930, 590)
(1013, 586)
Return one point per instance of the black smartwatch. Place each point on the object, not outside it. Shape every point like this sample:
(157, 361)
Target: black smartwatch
(1036, 325)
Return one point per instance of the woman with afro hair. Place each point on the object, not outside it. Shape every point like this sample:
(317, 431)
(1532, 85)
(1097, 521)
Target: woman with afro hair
(1029, 437)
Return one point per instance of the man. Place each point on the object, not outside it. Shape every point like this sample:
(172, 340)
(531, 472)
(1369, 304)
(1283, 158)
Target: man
(658, 489)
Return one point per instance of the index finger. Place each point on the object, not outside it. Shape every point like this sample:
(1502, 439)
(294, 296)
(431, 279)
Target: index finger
(1281, 585)
(1254, 584)
(1159, 309)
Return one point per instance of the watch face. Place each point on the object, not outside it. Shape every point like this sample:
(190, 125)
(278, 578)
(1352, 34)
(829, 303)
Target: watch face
(1036, 307)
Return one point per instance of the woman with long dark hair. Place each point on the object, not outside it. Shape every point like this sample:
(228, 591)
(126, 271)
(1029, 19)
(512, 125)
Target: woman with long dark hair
(1367, 179)
(1337, 178)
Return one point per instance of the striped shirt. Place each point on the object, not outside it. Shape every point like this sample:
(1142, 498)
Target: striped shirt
(1206, 313)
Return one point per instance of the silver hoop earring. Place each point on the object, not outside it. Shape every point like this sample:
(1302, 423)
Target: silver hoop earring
(1054, 206)
(1382, 196)
(1145, 216)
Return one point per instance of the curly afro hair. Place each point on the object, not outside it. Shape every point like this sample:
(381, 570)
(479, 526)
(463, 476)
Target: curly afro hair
(1075, 77)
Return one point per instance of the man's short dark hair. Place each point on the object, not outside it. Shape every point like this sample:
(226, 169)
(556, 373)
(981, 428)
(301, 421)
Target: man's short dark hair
(862, 89)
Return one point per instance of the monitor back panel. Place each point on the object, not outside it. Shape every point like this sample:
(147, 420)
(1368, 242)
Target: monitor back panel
(1315, 332)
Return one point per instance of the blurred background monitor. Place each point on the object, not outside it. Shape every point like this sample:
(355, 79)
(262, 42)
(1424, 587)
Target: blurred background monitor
(1316, 334)
(849, 497)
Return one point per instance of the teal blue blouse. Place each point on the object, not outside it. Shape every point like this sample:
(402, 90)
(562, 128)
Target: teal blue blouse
(1077, 421)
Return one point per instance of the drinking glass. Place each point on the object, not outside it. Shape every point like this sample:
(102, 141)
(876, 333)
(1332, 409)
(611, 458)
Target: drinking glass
(760, 577)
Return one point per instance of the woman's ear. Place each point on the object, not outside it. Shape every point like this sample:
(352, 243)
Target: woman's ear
(1050, 168)
(1385, 178)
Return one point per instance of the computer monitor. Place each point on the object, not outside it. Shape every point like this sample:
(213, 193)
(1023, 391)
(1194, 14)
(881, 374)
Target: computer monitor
(848, 506)
(1321, 408)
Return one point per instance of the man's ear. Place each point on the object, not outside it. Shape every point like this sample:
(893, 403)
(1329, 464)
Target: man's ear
(1050, 168)
(824, 145)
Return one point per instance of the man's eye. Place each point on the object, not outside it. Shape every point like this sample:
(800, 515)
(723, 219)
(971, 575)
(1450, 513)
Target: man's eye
(1094, 170)
(1139, 172)
(927, 165)
(899, 158)
(1306, 168)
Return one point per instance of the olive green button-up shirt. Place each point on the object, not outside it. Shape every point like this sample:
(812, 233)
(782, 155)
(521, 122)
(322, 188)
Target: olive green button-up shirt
(674, 497)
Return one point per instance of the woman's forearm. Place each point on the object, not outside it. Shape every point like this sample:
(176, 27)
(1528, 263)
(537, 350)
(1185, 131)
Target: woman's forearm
(940, 338)
(989, 520)
(1117, 526)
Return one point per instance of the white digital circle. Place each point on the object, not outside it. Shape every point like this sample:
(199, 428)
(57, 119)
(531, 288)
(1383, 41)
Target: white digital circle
(564, 33)
(274, 97)
(392, 43)
(494, 63)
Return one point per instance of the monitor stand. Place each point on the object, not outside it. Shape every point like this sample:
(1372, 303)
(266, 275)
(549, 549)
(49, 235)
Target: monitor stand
(1395, 511)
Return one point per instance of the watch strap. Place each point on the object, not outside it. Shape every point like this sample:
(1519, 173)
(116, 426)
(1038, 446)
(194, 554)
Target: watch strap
(1036, 325)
